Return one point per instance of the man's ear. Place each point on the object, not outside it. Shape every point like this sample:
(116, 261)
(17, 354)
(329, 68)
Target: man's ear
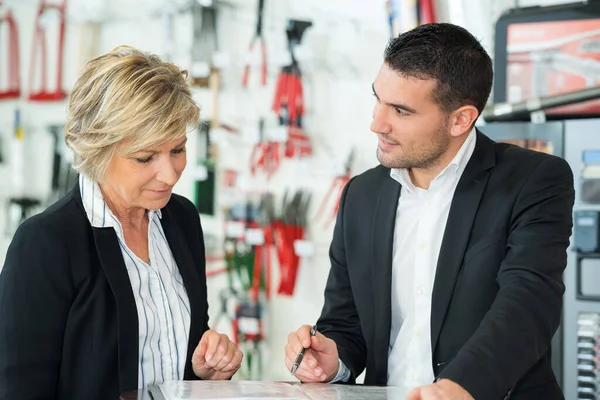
(462, 120)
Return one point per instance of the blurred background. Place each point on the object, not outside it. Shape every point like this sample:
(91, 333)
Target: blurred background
(266, 178)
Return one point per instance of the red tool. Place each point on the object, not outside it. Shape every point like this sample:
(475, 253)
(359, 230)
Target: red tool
(265, 154)
(289, 229)
(39, 40)
(258, 38)
(427, 9)
(335, 191)
(13, 90)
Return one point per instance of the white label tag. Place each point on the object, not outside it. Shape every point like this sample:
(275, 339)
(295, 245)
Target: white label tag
(200, 172)
(304, 248)
(255, 237)
(248, 326)
(284, 58)
(279, 134)
(221, 60)
(200, 69)
(235, 229)
(250, 135)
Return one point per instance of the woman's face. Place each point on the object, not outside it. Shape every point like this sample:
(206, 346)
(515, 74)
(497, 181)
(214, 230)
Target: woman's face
(145, 179)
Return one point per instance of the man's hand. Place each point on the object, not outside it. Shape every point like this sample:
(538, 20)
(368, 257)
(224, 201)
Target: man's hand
(216, 357)
(321, 360)
(444, 389)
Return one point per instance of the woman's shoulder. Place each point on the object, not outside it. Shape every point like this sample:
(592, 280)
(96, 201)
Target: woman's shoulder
(63, 218)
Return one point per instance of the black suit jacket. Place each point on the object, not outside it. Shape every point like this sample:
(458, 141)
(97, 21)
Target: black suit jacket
(498, 287)
(68, 319)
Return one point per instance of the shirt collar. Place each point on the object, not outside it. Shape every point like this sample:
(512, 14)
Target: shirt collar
(99, 215)
(457, 165)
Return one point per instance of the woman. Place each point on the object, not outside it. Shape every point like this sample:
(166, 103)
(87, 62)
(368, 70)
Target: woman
(105, 291)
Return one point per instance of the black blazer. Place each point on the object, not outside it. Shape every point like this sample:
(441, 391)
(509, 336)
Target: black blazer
(68, 319)
(498, 287)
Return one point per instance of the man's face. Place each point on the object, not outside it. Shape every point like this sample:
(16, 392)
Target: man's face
(413, 131)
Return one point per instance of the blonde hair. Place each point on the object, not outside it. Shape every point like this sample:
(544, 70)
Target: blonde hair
(126, 97)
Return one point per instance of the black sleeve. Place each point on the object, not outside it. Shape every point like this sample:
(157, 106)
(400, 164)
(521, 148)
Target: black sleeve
(517, 330)
(339, 319)
(36, 292)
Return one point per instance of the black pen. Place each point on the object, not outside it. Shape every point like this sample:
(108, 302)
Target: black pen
(313, 332)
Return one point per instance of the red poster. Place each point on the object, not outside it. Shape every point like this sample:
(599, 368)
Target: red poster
(547, 58)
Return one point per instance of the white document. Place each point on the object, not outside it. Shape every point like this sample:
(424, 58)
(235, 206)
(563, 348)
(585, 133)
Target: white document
(256, 390)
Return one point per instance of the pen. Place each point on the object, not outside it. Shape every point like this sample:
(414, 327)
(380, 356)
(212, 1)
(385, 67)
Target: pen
(313, 332)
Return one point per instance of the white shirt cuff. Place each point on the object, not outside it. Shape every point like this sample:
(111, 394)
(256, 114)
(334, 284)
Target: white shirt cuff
(343, 374)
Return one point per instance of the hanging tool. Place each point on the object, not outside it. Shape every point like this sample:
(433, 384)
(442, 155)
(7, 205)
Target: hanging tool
(265, 155)
(291, 227)
(288, 102)
(13, 89)
(205, 43)
(335, 190)
(426, 12)
(39, 41)
(258, 38)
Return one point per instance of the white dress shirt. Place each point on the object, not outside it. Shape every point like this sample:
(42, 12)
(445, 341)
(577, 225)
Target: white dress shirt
(160, 297)
(420, 224)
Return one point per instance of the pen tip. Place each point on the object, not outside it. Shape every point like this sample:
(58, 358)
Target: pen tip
(294, 369)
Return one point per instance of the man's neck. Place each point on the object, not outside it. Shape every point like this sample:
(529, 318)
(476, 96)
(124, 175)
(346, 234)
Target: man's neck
(422, 177)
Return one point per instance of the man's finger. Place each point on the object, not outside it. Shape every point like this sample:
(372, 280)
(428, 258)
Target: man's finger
(414, 394)
(304, 335)
(306, 374)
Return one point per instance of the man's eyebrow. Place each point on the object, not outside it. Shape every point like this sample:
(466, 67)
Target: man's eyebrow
(400, 106)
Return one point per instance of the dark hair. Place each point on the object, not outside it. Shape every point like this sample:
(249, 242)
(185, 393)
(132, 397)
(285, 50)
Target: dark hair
(449, 54)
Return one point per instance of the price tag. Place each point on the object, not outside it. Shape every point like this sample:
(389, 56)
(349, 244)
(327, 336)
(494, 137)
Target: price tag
(200, 172)
(279, 134)
(235, 229)
(250, 135)
(248, 326)
(255, 237)
(200, 69)
(221, 60)
(284, 58)
(304, 248)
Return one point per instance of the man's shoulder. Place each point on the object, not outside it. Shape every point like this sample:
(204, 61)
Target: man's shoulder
(525, 161)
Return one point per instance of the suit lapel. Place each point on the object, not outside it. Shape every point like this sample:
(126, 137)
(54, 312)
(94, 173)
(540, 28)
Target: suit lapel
(383, 239)
(109, 252)
(463, 211)
(195, 286)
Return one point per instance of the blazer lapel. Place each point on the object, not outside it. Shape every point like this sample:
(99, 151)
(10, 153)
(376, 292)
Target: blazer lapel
(111, 259)
(109, 252)
(383, 239)
(195, 285)
(463, 210)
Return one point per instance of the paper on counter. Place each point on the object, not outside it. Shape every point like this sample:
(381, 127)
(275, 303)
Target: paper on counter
(256, 390)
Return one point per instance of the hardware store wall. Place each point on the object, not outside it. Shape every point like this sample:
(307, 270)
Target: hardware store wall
(340, 56)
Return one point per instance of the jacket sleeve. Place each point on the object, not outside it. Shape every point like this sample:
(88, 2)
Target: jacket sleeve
(36, 292)
(339, 319)
(517, 330)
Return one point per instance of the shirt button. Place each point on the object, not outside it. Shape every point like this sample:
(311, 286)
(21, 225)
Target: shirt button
(413, 377)
(421, 290)
(421, 245)
(419, 332)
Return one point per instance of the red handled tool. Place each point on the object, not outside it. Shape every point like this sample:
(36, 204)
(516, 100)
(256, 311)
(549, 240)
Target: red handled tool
(265, 155)
(39, 41)
(335, 191)
(13, 89)
(257, 39)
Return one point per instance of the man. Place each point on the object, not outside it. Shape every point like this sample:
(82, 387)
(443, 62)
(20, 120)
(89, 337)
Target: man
(446, 259)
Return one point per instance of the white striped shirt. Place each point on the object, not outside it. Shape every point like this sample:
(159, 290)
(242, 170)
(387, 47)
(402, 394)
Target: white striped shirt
(160, 297)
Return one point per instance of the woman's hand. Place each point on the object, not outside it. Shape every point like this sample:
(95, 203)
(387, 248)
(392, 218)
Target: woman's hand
(216, 357)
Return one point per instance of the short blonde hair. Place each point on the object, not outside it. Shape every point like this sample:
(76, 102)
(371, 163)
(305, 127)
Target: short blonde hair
(126, 96)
